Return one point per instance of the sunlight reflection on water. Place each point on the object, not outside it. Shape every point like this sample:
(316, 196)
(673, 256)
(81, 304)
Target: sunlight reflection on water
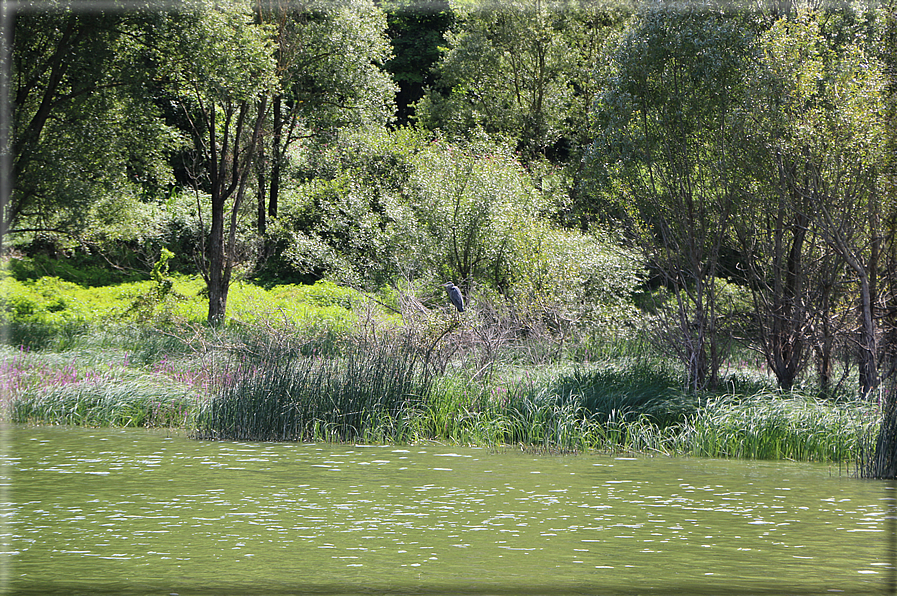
(124, 511)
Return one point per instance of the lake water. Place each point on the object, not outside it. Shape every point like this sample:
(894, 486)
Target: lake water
(111, 511)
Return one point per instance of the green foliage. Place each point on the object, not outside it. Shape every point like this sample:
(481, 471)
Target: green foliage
(332, 57)
(322, 312)
(829, 98)
(48, 311)
(47, 300)
(521, 71)
(586, 277)
(472, 198)
(86, 127)
(667, 154)
(662, 116)
(156, 305)
(348, 219)
(416, 30)
(377, 208)
(216, 52)
(763, 426)
(334, 229)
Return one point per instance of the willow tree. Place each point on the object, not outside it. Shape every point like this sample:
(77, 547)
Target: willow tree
(668, 155)
(329, 66)
(781, 253)
(848, 205)
(826, 141)
(472, 198)
(220, 70)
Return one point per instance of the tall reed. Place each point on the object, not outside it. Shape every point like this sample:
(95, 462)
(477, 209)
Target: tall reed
(627, 389)
(281, 395)
(641, 409)
(104, 402)
(765, 426)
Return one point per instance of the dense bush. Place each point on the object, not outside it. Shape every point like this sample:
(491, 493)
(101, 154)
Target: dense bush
(388, 209)
(344, 211)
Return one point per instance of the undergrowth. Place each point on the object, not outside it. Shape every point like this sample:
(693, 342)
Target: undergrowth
(286, 374)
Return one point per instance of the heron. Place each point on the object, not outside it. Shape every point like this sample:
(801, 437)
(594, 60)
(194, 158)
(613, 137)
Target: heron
(455, 295)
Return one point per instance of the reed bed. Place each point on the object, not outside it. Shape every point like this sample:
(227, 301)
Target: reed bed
(626, 390)
(281, 395)
(626, 405)
(583, 411)
(765, 426)
(104, 402)
(251, 384)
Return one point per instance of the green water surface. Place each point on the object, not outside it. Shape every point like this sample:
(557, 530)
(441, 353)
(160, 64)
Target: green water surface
(90, 511)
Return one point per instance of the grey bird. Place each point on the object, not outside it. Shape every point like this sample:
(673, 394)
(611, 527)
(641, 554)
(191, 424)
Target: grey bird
(455, 295)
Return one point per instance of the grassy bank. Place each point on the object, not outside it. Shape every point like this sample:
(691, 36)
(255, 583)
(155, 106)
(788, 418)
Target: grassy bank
(284, 387)
(324, 362)
(49, 313)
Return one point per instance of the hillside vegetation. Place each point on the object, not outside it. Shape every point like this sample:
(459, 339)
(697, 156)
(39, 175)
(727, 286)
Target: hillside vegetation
(667, 218)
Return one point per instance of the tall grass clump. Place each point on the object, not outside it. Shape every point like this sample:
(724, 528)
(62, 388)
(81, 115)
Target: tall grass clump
(541, 420)
(627, 390)
(39, 335)
(765, 426)
(102, 402)
(570, 409)
(280, 394)
(566, 422)
(89, 386)
(451, 410)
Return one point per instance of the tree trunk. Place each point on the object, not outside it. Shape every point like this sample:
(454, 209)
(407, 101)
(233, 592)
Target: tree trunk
(884, 460)
(277, 157)
(786, 344)
(229, 172)
(824, 342)
(261, 188)
(215, 281)
(7, 26)
(867, 273)
(868, 347)
(869, 360)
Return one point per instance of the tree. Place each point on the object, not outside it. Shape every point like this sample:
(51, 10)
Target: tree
(884, 459)
(825, 133)
(666, 153)
(220, 67)
(329, 64)
(521, 71)
(773, 229)
(84, 122)
(415, 29)
(472, 197)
